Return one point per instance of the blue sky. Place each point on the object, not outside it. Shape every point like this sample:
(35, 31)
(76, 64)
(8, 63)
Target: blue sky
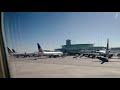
(24, 29)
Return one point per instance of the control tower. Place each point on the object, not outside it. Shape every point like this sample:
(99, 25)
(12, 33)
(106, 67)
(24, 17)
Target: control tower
(68, 42)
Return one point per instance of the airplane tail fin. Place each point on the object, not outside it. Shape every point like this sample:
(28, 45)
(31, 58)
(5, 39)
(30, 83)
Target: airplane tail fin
(107, 48)
(107, 44)
(13, 50)
(39, 48)
(9, 51)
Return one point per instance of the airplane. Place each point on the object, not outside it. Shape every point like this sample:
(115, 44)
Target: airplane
(16, 54)
(105, 53)
(39, 53)
(49, 53)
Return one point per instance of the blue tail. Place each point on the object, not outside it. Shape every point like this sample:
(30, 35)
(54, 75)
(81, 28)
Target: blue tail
(9, 51)
(39, 48)
(13, 50)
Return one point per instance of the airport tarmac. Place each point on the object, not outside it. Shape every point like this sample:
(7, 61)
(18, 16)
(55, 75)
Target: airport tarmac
(67, 67)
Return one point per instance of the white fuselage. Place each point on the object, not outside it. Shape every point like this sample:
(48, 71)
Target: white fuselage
(104, 52)
(38, 53)
(101, 51)
(22, 54)
(51, 53)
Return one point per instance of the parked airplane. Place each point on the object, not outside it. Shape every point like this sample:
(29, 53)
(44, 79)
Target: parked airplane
(105, 53)
(109, 53)
(48, 53)
(16, 54)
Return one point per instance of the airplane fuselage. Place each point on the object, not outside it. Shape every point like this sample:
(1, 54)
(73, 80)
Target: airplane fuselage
(51, 53)
(22, 54)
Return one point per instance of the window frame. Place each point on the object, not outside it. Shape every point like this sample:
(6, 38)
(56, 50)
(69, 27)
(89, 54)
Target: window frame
(4, 69)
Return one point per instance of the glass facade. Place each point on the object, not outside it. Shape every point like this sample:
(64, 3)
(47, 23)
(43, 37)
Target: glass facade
(78, 48)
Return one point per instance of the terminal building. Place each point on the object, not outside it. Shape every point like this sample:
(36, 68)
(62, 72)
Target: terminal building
(78, 48)
(115, 49)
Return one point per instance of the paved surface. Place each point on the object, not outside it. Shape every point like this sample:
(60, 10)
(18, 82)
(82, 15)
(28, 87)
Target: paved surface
(67, 67)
